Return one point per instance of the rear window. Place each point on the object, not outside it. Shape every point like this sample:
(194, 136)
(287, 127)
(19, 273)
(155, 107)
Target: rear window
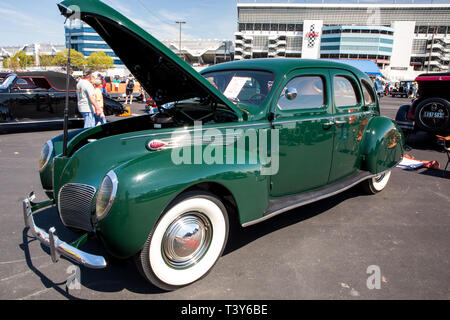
(367, 93)
(344, 92)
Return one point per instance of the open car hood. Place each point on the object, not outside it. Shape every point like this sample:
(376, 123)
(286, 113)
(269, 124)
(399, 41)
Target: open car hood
(164, 75)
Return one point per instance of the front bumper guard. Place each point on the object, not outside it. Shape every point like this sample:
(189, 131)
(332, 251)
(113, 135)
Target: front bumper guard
(57, 247)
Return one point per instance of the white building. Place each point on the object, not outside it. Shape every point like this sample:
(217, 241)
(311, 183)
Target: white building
(202, 51)
(34, 49)
(403, 39)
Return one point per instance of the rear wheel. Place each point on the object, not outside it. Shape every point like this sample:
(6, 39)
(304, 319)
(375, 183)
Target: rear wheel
(186, 242)
(377, 183)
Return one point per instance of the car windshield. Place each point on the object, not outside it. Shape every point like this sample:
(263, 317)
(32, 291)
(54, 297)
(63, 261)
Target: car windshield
(242, 85)
(7, 82)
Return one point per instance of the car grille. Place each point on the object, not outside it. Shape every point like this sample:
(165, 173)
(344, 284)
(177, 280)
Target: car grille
(74, 203)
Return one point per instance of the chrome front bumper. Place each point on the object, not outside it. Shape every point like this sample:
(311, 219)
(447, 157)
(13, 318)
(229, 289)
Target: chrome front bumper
(57, 247)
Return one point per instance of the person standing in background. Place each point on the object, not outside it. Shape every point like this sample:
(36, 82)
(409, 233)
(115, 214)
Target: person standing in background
(103, 86)
(87, 103)
(99, 118)
(129, 89)
(116, 83)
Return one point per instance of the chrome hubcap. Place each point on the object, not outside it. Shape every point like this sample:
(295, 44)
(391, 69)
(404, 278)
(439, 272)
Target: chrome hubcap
(186, 240)
(379, 177)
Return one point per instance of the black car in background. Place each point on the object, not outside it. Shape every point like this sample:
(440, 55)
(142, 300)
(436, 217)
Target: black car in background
(402, 90)
(31, 97)
(3, 76)
(430, 110)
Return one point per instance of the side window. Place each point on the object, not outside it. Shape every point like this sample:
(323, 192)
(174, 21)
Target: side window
(367, 93)
(310, 93)
(25, 83)
(22, 83)
(344, 92)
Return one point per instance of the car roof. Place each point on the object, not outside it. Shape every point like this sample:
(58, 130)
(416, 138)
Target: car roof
(284, 65)
(56, 79)
(444, 76)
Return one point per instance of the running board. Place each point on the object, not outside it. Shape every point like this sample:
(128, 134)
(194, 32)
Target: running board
(283, 204)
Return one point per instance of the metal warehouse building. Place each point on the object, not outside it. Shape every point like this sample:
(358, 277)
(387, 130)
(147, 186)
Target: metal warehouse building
(400, 38)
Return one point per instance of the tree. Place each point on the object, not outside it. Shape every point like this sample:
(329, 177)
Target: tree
(77, 60)
(12, 64)
(6, 63)
(20, 61)
(47, 61)
(100, 61)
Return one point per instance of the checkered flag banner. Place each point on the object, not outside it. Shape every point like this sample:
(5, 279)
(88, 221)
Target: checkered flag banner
(311, 36)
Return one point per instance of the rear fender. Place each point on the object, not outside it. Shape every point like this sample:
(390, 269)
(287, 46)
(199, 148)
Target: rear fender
(382, 145)
(4, 113)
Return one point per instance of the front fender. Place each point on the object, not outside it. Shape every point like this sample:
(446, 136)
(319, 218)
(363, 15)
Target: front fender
(147, 185)
(382, 145)
(46, 173)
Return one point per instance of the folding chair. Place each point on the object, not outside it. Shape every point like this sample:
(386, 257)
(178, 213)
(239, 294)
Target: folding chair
(445, 142)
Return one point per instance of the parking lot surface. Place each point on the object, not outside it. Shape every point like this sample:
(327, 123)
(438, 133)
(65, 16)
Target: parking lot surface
(320, 251)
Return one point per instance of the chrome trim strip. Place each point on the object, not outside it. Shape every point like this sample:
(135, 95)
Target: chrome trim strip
(57, 246)
(192, 130)
(29, 122)
(332, 117)
(302, 203)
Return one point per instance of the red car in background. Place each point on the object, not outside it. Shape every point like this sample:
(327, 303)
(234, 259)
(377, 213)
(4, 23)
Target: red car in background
(430, 110)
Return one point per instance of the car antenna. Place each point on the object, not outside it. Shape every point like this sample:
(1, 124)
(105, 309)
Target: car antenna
(66, 107)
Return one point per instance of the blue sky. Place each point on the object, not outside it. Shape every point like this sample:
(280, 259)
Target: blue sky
(28, 21)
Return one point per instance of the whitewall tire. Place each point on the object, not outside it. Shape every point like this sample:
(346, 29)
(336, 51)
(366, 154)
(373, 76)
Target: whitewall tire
(186, 242)
(377, 183)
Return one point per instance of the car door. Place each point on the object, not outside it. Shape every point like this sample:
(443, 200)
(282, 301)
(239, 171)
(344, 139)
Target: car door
(25, 101)
(50, 101)
(305, 133)
(350, 118)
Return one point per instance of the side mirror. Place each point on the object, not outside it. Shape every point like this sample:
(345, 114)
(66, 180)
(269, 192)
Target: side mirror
(15, 87)
(290, 93)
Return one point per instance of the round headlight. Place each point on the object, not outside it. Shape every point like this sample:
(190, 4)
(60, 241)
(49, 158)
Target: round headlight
(106, 195)
(46, 154)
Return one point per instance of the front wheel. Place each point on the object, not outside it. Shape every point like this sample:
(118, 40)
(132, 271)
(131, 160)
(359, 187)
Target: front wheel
(376, 184)
(186, 242)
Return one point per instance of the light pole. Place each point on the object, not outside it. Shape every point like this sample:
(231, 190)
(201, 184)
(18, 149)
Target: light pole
(179, 43)
(431, 49)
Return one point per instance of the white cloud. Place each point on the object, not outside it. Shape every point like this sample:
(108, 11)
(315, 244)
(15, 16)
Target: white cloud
(160, 25)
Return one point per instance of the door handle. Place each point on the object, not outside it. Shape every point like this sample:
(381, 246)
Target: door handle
(328, 125)
(340, 122)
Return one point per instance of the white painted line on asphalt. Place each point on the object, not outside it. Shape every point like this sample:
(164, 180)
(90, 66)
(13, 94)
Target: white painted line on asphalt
(35, 294)
(21, 260)
(22, 274)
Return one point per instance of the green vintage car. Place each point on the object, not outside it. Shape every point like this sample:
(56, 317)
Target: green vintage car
(244, 140)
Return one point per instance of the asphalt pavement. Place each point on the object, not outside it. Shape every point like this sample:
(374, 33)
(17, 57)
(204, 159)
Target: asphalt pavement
(326, 250)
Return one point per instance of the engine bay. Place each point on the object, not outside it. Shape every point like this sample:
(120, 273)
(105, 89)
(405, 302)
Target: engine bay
(186, 113)
(172, 115)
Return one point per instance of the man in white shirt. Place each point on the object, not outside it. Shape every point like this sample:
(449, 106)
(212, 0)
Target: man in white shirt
(87, 104)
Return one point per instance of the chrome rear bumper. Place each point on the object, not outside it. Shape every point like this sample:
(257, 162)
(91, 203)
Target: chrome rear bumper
(406, 125)
(57, 246)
